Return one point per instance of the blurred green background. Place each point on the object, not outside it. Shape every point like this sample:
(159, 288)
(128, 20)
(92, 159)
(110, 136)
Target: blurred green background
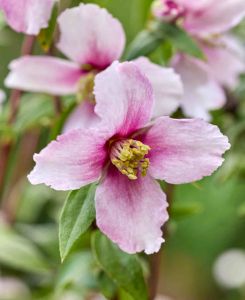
(208, 218)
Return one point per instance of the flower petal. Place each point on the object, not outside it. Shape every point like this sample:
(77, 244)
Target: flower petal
(82, 117)
(226, 61)
(27, 16)
(194, 5)
(131, 212)
(44, 74)
(90, 35)
(184, 150)
(74, 160)
(216, 17)
(167, 86)
(201, 91)
(124, 97)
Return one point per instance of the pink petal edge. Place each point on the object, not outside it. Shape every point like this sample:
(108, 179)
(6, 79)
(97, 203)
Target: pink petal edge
(131, 213)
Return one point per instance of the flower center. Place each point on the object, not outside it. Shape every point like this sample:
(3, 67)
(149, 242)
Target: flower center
(129, 157)
(167, 10)
(86, 87)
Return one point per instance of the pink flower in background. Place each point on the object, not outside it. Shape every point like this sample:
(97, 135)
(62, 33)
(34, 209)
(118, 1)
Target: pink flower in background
(27, 16)
(167, 89)
(92, 39)
(89, 36)
(201, 18)
(204, 81)
(209, 17)
(226, 60)
(202, 92)
(167, 10)
(125, 154)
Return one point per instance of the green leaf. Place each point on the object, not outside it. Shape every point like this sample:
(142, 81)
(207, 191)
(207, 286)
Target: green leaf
(180, 211)
(59, 123)
(144, 43)
(107, 286)
(20, 253)
(77, 271)
(77, 215)
(179, 39)
(35, 110)
(123, 268)
(148, 41)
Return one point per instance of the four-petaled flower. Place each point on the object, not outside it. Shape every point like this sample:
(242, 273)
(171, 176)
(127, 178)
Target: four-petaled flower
(125, 154)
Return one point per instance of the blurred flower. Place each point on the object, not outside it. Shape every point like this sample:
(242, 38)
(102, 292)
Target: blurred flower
(27, 16)
(92, 39)
(126, 153)
(211, 17)
(226, 59)
(12, 288)
(204, 82)
(167, 89)
(229, 269)
(167, 10)
(202, 92)
(206, 19)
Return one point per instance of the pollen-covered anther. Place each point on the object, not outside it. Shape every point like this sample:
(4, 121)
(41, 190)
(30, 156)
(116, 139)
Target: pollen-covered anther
(129, 158)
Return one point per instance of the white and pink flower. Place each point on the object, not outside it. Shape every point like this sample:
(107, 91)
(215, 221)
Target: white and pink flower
(126, 154)
(202, 18)
(92, 39)
(204, 81)
(27, 16)
(202, 92)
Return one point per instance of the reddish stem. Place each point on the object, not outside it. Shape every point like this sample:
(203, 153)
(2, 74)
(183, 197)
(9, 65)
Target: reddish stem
(14, 100)
(155, 262)
(57, 105)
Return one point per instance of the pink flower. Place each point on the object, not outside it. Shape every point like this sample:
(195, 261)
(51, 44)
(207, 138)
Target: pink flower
(203, 17)
(167, 10)
(92, 39)
(226, 60)
(125, 154)
(204, 81)
(27, 16)
(202, 92)
(167, 89)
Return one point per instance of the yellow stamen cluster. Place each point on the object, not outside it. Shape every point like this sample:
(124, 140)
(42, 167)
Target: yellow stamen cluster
(129, 157)
(86, 87)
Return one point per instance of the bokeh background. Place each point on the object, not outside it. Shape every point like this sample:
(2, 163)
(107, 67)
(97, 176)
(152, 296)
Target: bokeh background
(207, 218)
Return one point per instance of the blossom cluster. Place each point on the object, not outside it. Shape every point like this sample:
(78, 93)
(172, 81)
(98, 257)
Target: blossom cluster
(121, 135)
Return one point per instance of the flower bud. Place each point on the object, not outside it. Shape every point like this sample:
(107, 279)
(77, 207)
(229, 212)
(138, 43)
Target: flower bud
(166, 10)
